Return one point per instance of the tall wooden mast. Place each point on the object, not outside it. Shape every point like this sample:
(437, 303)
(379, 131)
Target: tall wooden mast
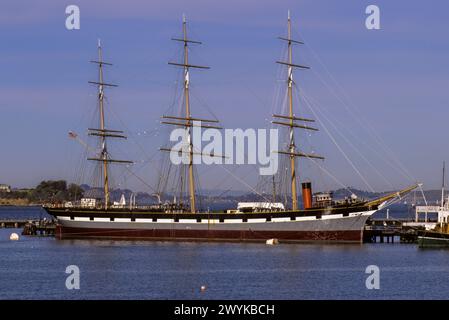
(104, 151)
(187, 105)
(290, 102)
(188, 120)
(443, 184)
(102, 132)
(291, 152)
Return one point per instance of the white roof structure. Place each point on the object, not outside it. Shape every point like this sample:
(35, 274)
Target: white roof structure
(260, 205)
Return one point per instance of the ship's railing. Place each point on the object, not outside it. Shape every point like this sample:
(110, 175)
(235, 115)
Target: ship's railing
(101, 207)
(54, 205)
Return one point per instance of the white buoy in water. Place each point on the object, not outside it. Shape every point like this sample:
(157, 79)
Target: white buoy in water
(272, 242)
(14, 237)
(203, 288)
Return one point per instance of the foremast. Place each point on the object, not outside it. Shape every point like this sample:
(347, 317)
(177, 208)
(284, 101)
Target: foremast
(102, 132)
(292, 150)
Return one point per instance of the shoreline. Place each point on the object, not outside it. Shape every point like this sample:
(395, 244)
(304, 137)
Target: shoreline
(20, 206)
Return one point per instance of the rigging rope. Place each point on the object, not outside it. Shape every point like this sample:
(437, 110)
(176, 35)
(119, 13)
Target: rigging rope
(243, 182)
(309, 105)
(341, 150)
(422, 192)
(362, 123)
(331, 175)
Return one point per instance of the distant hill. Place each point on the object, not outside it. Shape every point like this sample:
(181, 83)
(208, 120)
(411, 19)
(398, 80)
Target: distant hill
(344, 193)
(416, 197)
(48, 190)
(241, 196)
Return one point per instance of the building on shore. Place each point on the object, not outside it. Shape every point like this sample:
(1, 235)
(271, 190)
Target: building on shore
(5, 188)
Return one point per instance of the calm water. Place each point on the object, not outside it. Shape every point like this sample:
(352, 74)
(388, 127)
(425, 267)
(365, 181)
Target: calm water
(34, 268)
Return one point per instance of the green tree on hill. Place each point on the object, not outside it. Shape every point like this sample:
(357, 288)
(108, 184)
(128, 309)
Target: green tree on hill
(74, 192)
(55, 191)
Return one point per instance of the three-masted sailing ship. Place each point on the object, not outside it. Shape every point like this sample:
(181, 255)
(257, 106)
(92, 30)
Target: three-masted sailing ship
(320, 219)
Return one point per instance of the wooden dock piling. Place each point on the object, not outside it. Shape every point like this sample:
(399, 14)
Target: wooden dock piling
(31, 227)
(387, 231)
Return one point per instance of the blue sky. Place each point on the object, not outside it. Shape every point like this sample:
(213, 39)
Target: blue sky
(394, 79)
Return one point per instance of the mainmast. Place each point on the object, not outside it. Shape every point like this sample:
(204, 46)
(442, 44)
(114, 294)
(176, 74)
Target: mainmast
(188, 119)
(102, 132)
(291, 152)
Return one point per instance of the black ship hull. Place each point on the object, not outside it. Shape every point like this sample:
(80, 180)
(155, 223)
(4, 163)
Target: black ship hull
(344, 224)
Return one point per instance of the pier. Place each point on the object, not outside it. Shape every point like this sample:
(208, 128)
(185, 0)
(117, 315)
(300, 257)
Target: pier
(390, 231)
(13, 223)
(31, 227)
